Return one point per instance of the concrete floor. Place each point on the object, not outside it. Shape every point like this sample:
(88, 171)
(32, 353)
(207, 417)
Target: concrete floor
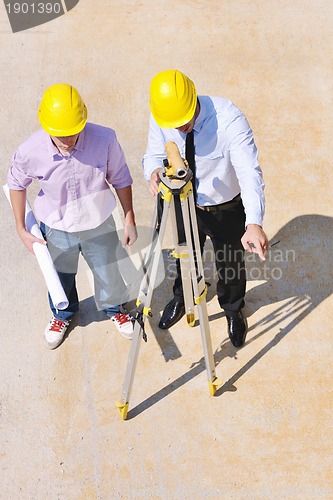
(268, 431)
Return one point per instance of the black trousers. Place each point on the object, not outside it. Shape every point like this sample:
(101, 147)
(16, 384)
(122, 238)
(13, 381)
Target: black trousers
(225, 228)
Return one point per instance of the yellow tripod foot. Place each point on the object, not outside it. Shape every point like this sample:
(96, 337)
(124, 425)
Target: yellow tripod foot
(213, 386)
(190, 318)
(123, 408)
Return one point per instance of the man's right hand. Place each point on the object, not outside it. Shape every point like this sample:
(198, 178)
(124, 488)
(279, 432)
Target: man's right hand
(18, 201)
(29, 239)
(154, 181)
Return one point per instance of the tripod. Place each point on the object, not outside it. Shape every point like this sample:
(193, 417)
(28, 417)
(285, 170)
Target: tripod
(175, 182)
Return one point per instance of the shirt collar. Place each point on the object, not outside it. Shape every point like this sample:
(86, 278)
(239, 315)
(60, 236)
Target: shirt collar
(201, 116)
(54, 151)
(80, 141)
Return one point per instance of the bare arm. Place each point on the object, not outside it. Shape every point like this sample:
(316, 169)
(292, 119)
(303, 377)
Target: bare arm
(18, 199)
(125, 198)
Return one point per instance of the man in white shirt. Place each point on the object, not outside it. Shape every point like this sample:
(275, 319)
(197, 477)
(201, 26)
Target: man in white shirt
(228, 185)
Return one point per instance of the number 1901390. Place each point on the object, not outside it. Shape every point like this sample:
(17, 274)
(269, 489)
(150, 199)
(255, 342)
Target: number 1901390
(34, 8)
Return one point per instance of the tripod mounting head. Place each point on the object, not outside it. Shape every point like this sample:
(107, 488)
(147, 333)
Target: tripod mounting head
(176, 167)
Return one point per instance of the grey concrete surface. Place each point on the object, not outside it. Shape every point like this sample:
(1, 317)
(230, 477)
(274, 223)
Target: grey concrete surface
(267, 433)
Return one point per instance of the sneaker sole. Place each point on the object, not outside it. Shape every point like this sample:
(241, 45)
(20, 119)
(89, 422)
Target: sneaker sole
(52, 345)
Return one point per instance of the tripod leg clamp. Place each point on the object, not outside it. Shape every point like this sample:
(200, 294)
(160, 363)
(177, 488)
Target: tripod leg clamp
(179, 255)
(143, 309)
(201, 297)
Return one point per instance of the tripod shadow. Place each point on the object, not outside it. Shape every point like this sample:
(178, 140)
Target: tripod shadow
(162, 294)
(295, 278)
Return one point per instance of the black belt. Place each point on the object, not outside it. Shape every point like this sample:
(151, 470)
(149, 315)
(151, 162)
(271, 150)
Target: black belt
(222, 206)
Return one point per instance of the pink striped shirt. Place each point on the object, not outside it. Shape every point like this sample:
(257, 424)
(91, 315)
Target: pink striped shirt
(74, 188)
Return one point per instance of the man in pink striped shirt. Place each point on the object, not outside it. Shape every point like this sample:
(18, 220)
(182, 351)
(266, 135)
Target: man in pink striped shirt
(75, 163)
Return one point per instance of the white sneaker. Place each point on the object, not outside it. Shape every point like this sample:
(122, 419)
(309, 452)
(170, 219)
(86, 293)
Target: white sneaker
(54, 332)
(124, 324)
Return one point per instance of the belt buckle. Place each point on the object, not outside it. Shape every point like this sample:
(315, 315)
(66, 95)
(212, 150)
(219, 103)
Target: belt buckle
(206, 208)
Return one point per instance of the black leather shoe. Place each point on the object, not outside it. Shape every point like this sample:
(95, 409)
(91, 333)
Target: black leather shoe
(237, 329)
(172, 313)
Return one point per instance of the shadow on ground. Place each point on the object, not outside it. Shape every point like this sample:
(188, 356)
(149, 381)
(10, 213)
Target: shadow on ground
(295, 278)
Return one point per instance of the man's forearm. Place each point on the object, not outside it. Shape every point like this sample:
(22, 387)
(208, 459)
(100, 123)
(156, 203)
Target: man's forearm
(125, 198)
(18, 201)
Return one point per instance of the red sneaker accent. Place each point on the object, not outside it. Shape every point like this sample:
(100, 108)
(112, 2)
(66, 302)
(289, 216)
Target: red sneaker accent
(121, 318)
(54, 332)
(124, 324)
(56, 325)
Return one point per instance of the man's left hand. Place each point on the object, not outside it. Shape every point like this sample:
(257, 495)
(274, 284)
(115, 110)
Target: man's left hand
(130, 235)
(255, 240)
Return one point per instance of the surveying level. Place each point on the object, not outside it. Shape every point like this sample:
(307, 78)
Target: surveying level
(175, 182)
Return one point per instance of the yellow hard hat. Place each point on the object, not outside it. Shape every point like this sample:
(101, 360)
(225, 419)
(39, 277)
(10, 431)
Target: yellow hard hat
(173, 99)
(62, 112)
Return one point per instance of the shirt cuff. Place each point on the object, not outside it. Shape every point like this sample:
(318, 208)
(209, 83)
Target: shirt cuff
(253, 219)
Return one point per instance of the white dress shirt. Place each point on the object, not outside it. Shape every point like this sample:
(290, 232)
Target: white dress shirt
(226, 156)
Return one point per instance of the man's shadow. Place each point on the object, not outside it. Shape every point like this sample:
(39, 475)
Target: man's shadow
(295, 278)
(297, 270)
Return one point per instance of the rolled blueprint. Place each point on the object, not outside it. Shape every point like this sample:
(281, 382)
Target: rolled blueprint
(43, 257)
